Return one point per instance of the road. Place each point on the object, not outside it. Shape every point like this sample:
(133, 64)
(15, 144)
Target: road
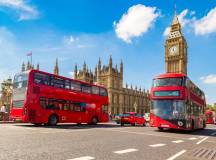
(104, 142)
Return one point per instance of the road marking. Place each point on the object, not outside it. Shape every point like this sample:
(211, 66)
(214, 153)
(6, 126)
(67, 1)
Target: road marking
(177, 155)
(141, 133)
(178, 141)
(202, 140)
(192, 138)
(157, 145)
(83, 158)
(126, 151)
(213, 134)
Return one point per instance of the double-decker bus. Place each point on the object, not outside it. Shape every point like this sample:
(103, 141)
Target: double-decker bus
(44, 98)
(177, 103)
(210, 117)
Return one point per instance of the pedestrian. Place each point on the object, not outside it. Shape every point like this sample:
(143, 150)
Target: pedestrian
(3, 112)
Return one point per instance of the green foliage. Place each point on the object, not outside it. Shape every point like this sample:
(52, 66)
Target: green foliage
(211, 107)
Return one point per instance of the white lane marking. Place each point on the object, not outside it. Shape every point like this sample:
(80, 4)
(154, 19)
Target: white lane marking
(177, 155)
(201, 136)
(213, 134)
(192, 138)
(178, 141)
(202, 140)
(83, 158)
(126, 151)
(157, 145)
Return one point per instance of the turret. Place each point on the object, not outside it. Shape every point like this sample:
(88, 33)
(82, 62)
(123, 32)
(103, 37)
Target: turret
(75, 71)
(23, 67)
(56, 68)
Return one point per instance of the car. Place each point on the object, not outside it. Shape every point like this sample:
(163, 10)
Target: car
(132, 118)
(117, 118)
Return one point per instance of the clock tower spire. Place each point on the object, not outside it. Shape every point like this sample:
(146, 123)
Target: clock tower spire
(176, 48)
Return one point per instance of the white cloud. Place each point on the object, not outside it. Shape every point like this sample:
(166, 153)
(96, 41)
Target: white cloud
(166, 31)
(206, 24)
(71, 74)
(24, 10)
(210, 79)
(135, 22)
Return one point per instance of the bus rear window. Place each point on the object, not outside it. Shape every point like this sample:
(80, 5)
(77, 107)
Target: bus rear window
(20, 81)
(168, 82)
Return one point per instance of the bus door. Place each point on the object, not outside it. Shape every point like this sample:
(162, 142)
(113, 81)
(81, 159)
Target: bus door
(90, 111)
(79, 109)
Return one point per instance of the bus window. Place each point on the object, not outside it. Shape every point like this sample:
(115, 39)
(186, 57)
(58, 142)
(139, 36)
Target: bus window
(51, 104)
(168, 82)
(95, 90)
(43, 102)
(57, 82)
(103, 92)
(67, 84)
(105, 108)
(86, 89)
(67, 106)
(77, 107)
(75, 86)
(83, 107)
(40, 78)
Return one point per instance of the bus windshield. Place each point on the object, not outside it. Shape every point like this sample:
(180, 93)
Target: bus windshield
(19, 89)
(169, 109)
(168, 82)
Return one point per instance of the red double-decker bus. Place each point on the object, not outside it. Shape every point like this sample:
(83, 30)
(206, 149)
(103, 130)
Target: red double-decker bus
(177, 103)
(44, 98)
(210, 117)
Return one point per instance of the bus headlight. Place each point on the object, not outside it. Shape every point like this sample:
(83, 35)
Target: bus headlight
(180, 123)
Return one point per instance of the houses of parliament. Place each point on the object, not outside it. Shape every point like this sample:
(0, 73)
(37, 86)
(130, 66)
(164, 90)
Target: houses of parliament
(123, 98)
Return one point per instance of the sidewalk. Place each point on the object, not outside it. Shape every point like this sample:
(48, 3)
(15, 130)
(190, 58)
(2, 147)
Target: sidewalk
(7, 122)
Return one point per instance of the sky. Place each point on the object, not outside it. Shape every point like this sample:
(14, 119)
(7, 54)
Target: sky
(131, 31)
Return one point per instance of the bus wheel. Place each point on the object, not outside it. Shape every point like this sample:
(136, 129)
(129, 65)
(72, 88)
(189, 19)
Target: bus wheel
(52, 120)
(160, 129)
(122, 124)
(94, 121)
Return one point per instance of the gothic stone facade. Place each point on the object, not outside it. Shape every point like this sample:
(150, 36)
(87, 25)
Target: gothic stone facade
(176, 49)
(6, 93)
(121, 99)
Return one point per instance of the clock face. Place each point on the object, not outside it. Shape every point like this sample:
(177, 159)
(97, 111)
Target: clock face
(173, 50)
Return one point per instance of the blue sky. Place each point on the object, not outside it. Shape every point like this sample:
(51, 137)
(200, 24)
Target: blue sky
(84, 30)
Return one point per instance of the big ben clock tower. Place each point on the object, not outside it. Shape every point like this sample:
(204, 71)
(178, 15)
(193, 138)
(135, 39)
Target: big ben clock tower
(176, 49)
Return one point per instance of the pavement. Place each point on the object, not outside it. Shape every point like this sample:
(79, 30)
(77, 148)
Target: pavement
(104, 142)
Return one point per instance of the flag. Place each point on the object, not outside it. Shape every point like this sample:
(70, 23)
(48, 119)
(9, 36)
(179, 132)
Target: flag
(29, 54)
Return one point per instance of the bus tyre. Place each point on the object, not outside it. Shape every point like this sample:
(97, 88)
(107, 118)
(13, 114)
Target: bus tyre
(94, 120)
(160, 129)
(133, 124)
(144, 124)
(52, 120)
(122, 124)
